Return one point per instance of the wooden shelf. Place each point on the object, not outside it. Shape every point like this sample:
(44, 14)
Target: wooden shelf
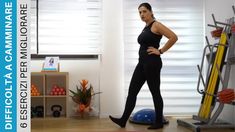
(45, 82)
(37, 96)
(57, 96)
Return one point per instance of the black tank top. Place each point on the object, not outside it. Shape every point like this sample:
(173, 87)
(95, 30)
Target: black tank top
(148, 38)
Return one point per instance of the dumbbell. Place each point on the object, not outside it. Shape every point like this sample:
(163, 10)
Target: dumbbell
(56, 109)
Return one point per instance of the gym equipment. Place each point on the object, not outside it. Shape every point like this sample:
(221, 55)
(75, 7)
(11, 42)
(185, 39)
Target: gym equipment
(226, 96)
(33, 112)
(56, 90)
(233, 28)
(217, 32)
(221, 54)
(212, 86)
(145, 117)
(56, 109)
(39, 110)
(34, 90)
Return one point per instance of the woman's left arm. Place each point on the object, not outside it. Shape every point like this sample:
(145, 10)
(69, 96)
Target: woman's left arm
(165, 31)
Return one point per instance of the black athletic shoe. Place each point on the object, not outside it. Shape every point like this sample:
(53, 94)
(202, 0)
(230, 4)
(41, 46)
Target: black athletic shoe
(165, 121)
(119, 122)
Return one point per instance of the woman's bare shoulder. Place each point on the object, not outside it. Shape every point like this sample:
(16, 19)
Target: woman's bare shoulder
(156, 27)
(158, 24)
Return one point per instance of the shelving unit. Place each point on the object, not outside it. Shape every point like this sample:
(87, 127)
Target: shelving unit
(45, 81)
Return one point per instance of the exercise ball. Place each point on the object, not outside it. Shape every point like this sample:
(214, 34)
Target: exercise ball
(145, 116)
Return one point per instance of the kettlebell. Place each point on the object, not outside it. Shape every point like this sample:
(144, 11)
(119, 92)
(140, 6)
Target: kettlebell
(56, 109)
(33, 112)
(39, 111)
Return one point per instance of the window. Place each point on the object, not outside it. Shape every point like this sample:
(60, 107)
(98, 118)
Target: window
(33, 27)
(179, 73)
(66, 27)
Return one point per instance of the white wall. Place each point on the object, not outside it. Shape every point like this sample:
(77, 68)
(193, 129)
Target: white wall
(222, 11)
(112, 68)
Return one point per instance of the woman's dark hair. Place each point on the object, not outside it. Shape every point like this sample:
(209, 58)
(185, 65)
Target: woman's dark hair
(146, 5)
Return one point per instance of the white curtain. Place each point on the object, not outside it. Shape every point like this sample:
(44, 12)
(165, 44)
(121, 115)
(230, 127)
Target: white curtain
(69, 26)
(179, 73)
(33, 27)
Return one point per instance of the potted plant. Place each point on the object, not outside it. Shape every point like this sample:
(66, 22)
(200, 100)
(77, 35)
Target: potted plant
(82, 96)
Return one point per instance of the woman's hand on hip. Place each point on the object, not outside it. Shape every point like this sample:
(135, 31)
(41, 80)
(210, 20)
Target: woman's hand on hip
(152, 50)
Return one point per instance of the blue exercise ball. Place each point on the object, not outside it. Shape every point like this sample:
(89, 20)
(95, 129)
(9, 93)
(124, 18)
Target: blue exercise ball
(145, 116)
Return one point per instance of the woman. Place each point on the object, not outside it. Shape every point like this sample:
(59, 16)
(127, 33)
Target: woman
(149, 65)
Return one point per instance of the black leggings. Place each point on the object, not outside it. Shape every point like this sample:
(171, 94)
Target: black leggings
(148, 70)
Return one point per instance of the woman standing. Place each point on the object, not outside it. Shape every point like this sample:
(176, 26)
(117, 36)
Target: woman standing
(149, 65)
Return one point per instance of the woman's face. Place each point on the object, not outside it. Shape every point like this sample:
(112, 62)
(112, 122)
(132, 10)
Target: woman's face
(145, 14)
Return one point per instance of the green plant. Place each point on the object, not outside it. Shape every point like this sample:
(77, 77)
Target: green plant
(83, 94)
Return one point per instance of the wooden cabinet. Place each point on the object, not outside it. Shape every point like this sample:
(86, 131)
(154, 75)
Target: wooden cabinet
(49, 89)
